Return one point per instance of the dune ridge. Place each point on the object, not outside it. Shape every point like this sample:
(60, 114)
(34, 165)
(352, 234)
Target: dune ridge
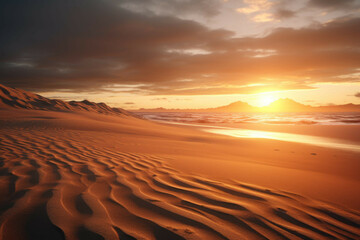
(17, 98)
(58, 185)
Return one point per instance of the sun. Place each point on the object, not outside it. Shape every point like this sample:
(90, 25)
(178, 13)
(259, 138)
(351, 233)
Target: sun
(265, 99)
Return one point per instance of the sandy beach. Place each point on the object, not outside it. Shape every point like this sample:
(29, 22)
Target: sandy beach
(81, 175)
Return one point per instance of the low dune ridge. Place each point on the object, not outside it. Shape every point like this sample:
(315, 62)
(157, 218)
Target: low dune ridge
(84, 175)
(17, 98)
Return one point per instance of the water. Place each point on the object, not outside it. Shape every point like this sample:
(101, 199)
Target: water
(288, 137)
(194, 119)
(267, 118)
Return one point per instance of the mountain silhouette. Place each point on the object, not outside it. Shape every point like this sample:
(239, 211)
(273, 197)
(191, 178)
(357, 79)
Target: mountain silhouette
(280, 105)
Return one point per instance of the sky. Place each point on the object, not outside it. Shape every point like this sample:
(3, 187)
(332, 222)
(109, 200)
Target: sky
(183, 53)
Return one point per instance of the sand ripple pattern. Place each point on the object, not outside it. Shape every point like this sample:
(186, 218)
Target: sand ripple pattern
(54, 186)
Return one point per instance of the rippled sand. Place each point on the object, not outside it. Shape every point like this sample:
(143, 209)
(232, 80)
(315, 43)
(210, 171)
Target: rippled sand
(67, 178)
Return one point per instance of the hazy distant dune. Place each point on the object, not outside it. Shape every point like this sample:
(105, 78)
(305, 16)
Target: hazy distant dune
(16, 98)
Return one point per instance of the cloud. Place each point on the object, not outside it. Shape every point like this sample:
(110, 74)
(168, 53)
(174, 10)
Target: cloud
(253, 6)
(263, 17)
(357, 94)
(284, 14)
(207, 8)
(338, 34)
(345, 8)
(91, 41)
(332, 4)
(223, 89)
(99, 45)
(129, 103)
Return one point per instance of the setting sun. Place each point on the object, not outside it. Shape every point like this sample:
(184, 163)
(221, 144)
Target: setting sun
(265, 99)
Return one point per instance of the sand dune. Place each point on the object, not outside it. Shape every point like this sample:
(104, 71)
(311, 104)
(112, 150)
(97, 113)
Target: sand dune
(60, 183)
(20, 99)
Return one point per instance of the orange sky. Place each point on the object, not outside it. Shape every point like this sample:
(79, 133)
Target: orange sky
(183, 53)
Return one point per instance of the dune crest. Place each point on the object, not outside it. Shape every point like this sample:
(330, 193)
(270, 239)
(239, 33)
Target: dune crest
(17, 98)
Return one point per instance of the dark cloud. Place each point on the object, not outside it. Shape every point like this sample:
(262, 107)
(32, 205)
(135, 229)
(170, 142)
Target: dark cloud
(86, 43)
(357, 94)
(284, 14)
(94, 45)
(332, 4)
(129, 103)
(207, 8)
(338, 34)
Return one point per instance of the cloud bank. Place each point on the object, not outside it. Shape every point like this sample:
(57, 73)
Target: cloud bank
(106, 44)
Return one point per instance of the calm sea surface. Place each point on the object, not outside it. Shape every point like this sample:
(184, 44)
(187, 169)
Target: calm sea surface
(267, 118)
(205, 120)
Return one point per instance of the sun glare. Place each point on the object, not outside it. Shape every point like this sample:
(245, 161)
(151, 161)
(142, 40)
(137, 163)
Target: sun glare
(265, 99)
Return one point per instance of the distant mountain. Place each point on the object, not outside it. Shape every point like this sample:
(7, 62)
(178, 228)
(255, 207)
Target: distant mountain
(235, 107)
(17, 98)
(289, 105)
(350, 107)
(281, 105)
(232, 107)
(286, 105)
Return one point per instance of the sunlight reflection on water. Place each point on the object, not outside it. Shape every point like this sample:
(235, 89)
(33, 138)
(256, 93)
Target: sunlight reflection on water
(267, 118)
(203, 119)
(288, 137)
